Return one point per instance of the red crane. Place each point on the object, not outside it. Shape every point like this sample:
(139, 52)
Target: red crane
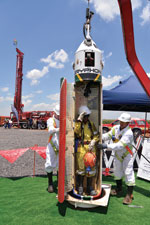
(19, 117)
(18, 86)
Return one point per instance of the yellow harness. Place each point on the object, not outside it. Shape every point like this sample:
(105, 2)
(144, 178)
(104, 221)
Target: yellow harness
(129, 150)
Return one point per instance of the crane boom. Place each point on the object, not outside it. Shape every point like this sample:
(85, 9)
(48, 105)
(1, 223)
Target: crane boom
(18, 86)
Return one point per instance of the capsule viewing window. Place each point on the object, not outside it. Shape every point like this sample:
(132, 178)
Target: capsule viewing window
(89, 59)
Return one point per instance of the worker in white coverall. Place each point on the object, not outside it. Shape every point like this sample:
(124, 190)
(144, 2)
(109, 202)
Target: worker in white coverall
(86, 136)
(52, 147)
(122, 137)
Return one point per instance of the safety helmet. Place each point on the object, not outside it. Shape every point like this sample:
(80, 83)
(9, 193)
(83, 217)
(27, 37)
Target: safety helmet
(85, 109)
(57, 109)
(125, 117)
(89, 159)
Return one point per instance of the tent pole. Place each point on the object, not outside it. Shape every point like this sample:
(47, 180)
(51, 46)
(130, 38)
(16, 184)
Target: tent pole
(145, 124)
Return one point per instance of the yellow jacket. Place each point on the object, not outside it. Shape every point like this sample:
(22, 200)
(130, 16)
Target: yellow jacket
(86, 132)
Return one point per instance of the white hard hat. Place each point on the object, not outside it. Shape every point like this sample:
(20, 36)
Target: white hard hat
(85, 109)
(125, 117)
(57, 109)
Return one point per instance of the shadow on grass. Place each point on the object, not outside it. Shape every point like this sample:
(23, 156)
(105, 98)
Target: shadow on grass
(21, 177)
(108, 179)
(139, 189)
(62, 208)
(142, 191)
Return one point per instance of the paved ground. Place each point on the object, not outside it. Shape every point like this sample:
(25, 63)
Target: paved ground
(22, 138)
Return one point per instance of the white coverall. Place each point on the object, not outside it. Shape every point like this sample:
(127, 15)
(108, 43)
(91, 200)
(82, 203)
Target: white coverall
(53, 146)
(123, 161)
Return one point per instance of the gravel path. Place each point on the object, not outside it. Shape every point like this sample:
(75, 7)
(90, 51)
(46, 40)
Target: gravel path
(22, 138)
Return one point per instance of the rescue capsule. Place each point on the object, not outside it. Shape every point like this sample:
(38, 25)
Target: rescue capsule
(88, 58)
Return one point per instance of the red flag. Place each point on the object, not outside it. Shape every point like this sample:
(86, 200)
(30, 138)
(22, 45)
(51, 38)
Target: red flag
(40, 150)
(13, 155)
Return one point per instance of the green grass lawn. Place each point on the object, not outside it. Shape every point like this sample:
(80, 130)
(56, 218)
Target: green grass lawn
(25, 201)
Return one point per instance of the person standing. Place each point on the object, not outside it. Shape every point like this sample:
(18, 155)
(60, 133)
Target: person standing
(52, 147)
(10, 123)
(86, 136)
(39, 122)
(122, 137)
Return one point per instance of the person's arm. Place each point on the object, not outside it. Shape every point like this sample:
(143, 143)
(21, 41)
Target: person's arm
(126, 140)
(95, 138)
(77, 128)
(107, 136)
(51, 128)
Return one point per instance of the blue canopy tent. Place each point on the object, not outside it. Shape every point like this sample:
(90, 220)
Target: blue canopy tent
(129, 95)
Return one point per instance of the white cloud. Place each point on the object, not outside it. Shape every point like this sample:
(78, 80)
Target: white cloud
(1, 99)
(34, 82)
(148, 74)
(44, 106)
(7, 98)
(36, 74)
(55, 60)
(39, 91)
(24, 97)
(109, 55)
(61, 55)
(136, 4)
(54, 97)
(145, 15)
(109, 81)
(5, 110)
(27, 102)
(4, 89)
(109, 9)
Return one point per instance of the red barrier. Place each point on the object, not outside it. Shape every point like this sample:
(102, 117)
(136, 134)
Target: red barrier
(40, 150)
(13, 155)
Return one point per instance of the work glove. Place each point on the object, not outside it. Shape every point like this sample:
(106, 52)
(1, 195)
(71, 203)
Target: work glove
(113, 138)
(92, 144)
(102, 146)
(56, 130)
(80, 118)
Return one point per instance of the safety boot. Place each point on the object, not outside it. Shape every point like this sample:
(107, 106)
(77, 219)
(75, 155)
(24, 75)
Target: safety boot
(50, 183)
(90, 190)
(129, 196)
(118, 189)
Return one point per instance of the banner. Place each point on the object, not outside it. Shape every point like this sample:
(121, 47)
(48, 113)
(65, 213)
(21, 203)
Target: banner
(144, 165)
(40, 150)
(13, 155)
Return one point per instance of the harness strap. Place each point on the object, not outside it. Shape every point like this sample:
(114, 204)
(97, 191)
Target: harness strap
(50, 138)
(127, 148)
(124, 145)
(54, 147)
(122, 157)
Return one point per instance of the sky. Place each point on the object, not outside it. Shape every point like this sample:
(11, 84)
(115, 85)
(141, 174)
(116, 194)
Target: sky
(49, 33)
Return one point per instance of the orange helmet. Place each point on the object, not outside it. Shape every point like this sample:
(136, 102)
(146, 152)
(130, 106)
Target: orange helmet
(89, 159)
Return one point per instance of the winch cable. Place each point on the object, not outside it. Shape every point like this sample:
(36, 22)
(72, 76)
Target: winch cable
(141, 154)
